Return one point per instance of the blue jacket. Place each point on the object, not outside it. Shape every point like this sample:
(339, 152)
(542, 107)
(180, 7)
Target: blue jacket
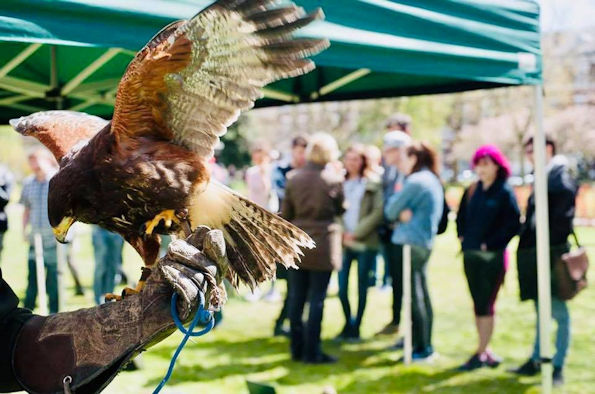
(422, 194)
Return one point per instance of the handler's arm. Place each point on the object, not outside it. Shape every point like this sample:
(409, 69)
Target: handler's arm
(87, 347)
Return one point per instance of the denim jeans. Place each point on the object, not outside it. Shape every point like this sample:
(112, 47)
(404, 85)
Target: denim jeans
(310, 286)
(107, 248)
(562, 317)
(50, 261)
(366, 260)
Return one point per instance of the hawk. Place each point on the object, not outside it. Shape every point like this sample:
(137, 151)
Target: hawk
(145, 172)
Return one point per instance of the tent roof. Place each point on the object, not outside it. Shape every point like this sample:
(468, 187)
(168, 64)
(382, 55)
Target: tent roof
(71, 53)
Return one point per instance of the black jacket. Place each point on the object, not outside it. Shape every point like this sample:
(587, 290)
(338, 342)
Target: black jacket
(12, 319)
(5, 189)
(562, 189)
(490, 216)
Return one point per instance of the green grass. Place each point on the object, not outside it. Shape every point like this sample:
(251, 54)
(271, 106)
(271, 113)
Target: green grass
(241, 348)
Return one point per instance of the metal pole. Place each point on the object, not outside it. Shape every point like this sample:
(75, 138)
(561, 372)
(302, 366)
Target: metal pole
(40, 269)
(61, 251)
(543, 245)
(54, 76)
(408, 348)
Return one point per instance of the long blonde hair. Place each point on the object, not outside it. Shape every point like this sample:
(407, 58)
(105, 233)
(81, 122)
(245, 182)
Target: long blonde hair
(322, 149)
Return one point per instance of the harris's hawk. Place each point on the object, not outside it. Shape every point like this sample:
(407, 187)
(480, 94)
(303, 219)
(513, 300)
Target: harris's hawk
(177, 97)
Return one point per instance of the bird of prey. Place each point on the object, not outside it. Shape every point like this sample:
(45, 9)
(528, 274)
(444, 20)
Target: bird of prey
(145, 171)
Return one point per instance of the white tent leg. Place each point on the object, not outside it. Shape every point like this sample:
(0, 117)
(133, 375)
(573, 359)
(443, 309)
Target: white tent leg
(407, 333)
(62, 255)
(40, 269)
(543, 245)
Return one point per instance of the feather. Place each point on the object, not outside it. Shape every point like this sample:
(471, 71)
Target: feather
(221, 58)
(260, 237)
(59, 131)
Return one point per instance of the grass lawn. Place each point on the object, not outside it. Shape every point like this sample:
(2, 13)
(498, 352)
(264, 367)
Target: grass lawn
(242, 349)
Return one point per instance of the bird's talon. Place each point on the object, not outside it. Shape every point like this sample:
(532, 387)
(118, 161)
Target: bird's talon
(113, 297)
(182, 214)
(168, 216)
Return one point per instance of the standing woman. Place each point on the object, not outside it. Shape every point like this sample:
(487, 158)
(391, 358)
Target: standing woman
(363, 194)
(488, 218)
(418, 209)
(314, 202)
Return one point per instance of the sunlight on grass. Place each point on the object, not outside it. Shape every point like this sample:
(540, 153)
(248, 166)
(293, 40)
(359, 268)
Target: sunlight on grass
(241, 348)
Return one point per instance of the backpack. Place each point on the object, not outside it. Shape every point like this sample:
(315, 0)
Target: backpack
(443, 224)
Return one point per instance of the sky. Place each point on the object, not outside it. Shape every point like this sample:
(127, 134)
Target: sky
(567, 14)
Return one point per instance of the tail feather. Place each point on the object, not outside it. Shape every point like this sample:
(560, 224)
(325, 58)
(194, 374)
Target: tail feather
(256, 239)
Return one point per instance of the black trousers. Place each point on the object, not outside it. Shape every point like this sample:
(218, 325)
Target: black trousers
(285, 309)
(421, 306)
(306, 286)
(393, 256)
(485, 274)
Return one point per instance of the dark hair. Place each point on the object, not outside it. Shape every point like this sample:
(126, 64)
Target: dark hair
(549, 141)
(359, 150)
(425, 155)
(299, 141)
(398, 121)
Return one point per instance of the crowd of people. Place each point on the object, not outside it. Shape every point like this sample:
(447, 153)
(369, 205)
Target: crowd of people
(358, 205)
(366, 202)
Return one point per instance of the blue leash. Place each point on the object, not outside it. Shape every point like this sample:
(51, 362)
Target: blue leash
(202, 317)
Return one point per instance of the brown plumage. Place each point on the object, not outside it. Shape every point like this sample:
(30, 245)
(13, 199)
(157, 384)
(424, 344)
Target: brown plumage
(177, 97)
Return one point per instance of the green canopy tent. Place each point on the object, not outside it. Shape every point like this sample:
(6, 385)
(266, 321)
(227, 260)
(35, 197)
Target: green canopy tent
(70, 54)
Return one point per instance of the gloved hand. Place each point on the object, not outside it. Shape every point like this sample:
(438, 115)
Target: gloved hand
(87, 348)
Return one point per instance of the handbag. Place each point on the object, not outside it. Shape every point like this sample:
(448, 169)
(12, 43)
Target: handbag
(571, 272)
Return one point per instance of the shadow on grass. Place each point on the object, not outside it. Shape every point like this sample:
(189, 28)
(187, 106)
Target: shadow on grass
(229, 358)
(251, 348)
(446, 381)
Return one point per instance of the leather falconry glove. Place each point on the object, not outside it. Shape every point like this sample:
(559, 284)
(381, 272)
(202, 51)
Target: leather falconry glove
(82, 351)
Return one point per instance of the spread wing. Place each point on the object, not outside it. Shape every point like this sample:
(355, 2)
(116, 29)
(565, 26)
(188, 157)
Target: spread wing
(190, 82)
(59, 131)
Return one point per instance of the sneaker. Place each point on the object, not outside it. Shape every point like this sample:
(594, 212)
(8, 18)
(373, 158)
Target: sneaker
(280, 331)
(491, 360)
(353, 334)
(389, 329)
(474, 362)
(425, 356)
(399, 345)
(558, 377)
(529, 368)
(344, 334)
(321, 358)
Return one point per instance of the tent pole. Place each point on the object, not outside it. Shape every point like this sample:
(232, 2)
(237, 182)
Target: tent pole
(543, 245)
(54, 75)
(406, 324)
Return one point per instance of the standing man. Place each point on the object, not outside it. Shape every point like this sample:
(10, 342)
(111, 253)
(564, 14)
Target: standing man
(35, 221)
(396, 140)
(298, 160)
(562, 189)
(6, 182)
(107, 249)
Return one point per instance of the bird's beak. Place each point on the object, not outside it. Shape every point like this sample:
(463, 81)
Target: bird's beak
(61, 229)
(15, 123)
